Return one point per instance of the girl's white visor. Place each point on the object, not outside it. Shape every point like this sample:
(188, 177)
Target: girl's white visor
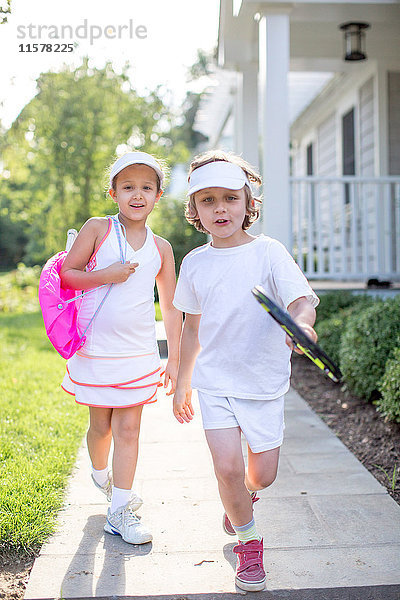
(217, 174)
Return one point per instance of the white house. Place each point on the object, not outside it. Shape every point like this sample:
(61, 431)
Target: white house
(331, 173)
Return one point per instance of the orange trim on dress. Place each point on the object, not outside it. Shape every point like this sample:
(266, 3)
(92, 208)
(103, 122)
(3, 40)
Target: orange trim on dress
(112, 357)
(99, 246)
(112, 384)
(66, 391)
(118, 386)
(148, 401)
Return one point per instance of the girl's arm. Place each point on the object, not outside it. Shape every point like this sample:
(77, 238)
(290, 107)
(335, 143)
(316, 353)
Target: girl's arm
(304, 314)
(190, 347)
(172, 317)
(73, 274)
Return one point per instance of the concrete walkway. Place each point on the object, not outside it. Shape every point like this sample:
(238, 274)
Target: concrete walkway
(330, 529)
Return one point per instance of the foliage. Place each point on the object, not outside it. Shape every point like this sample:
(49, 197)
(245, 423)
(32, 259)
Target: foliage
(332, 302)
(40, 432)
(330, 329)
(368, 341)
(168, 221)
(19, 290)
(202, 68)
(389, 387)
(5, 11)
(56, 152)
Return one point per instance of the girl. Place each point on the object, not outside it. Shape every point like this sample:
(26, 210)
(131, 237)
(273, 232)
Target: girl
(240, 361)
(118, 370)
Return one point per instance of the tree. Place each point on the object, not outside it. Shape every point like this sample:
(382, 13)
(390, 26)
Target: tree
(5, 11)
(200, 70)
(168, 221)
(56, 152)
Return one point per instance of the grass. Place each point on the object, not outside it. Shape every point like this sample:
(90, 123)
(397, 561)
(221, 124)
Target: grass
(158, 311)
(41, 429)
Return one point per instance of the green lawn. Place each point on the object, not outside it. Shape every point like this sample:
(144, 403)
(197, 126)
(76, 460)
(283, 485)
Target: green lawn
(41, 428)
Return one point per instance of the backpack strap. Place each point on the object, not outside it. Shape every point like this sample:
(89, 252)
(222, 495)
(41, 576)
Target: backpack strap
(118, 225)
(122, 255)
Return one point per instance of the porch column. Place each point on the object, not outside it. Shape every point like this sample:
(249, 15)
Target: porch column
(250, 131)
(274, 120)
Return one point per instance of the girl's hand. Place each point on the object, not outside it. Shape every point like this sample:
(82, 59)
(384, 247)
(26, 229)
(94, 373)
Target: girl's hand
(183, 409)
(119, 272)
(310, 331)
(171, 373)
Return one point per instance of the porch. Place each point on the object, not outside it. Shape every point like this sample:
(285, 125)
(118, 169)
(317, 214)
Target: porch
(346, 228)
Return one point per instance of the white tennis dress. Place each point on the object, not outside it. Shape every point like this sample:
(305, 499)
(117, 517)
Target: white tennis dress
(119, 364)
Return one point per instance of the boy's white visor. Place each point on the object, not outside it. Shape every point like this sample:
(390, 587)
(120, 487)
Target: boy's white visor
(217, 174)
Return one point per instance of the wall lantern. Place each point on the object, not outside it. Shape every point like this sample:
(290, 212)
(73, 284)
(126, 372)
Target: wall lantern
(354, 40)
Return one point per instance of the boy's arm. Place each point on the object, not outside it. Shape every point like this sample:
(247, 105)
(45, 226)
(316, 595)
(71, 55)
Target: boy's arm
(190, 347)
(73, 274)
(172, 317)
(304, 314)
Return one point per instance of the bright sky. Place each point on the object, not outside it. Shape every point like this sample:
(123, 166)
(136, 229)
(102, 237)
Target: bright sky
(166, 43)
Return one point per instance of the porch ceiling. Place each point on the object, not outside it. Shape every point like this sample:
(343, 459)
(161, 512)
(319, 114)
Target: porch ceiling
(316, 43)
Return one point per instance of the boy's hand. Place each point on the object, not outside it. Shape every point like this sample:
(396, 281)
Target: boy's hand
(183, 409)
(310, 331)
(119, 272)
(171, 373)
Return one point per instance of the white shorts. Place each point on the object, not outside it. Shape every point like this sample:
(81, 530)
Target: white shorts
(261, 421)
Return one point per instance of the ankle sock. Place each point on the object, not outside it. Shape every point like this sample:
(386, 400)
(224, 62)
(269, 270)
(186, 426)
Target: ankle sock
(247, 532)
(119, 498)
(100, 475)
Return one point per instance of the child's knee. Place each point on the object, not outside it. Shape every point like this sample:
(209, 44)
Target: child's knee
(100, 428)
(229, 474)
(261, 481)
(127, 432)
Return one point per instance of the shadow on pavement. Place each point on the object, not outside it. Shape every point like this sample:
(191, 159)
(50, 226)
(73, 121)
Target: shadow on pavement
(114, 553)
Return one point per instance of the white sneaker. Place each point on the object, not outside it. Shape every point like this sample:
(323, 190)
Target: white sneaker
(135, 501)
(126, 523)
(106, 488)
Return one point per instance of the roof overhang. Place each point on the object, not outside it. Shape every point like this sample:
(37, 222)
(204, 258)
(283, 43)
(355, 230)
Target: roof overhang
(316, 42)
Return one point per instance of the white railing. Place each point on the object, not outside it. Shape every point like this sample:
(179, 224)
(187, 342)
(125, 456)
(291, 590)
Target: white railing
(347, 227)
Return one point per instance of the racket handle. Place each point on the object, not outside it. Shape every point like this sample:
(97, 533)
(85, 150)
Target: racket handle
(71, 237)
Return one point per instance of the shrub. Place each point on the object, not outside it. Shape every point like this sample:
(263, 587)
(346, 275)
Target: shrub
(367, 343)
(332, 302)
(330, 330)
(389, 387)
(19, 290)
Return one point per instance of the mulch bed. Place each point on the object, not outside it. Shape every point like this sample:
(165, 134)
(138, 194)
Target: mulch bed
(372, 439)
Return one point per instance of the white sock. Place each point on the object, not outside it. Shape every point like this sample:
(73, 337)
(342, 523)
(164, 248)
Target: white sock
(119, 498)
(100, 475)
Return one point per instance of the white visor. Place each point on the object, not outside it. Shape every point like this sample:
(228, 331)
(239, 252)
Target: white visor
(136, 158)
(217, 174)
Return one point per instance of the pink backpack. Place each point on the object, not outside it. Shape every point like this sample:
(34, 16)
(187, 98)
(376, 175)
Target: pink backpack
(60, 305)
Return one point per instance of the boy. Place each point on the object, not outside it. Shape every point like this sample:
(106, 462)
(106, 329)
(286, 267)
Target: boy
(240, 361)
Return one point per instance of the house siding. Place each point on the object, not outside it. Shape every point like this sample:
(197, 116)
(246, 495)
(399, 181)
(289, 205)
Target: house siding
(394, 121)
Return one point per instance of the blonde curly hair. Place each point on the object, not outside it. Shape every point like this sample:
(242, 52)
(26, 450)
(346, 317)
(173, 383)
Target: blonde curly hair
(252, 210)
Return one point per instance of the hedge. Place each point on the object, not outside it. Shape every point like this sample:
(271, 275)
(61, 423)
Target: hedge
(368, 341)
(330, 330)
(332, 303)
(389, 387)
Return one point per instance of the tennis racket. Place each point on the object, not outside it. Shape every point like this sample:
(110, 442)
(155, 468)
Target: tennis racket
(300, 339)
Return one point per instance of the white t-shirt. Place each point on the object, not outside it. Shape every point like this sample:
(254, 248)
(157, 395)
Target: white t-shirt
(243, 351)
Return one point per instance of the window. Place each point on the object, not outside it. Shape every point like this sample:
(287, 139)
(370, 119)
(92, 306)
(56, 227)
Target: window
(348, 150)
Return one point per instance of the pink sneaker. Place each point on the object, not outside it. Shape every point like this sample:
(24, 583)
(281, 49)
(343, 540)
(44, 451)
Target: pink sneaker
(250, 574)
(227, 525)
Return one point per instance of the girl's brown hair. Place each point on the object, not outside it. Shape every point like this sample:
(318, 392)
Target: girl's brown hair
(252, 211)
